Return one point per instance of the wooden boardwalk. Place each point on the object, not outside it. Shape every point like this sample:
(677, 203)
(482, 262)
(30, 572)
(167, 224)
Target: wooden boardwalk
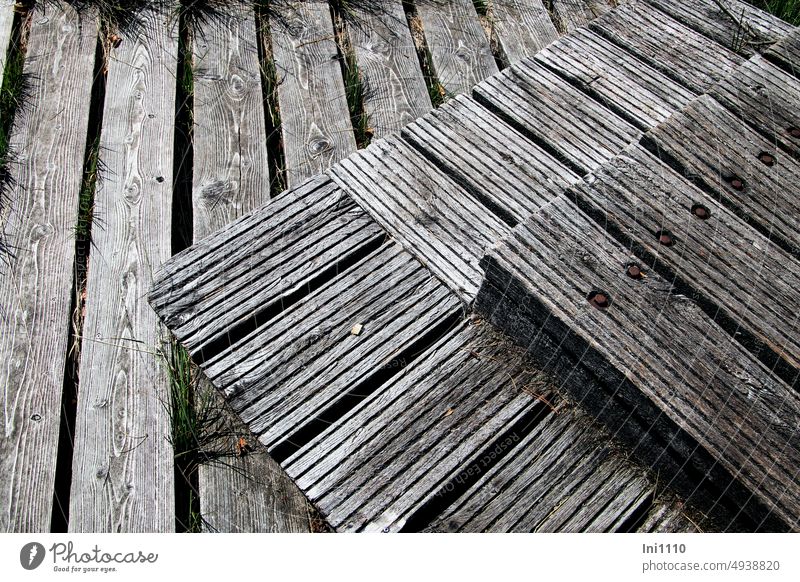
(351, 323)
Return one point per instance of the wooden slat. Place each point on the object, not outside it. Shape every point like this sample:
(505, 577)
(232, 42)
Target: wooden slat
(737, 25)
(259, 262)
(36, 288)
(6, 25)
(713, 146)
(231, 173)
(614, 77)
(428, 213)
(786, 52)
(395, 93)
(685, 366)
(653, 37)
(310, 354)
(767, 99)
(668, 517)
(548, 475)
(571, 14)
(508, 174)
(315, 121)
(539, 101)
(734, 270)
(123, 472)
(459, 49)
(520, 28)
(373, 469)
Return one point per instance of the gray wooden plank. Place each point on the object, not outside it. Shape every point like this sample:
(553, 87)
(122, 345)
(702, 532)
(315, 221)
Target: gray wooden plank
(428, 213)
(259, 262)
(7, 12)
(766, 98)
(668, 516)
(395, 93)
(390, 295)
(539, 101)
(737, 25)
(315, 120)
(732, 269)
(571, 14)
(614, 77)
(786, 52)
(416, 432)
(508, 174)
(459, 49)
(667, 45)
(231, 173)
(36, 289)
(123, 471)
(520, 28)
(717, 150)
(686, 366)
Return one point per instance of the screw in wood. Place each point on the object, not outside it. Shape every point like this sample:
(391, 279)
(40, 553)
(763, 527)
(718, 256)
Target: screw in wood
(664, 237)
(633, 271)
(736, 182)
(794, 131)
(599, 299)
(767, 158)
(701, 212)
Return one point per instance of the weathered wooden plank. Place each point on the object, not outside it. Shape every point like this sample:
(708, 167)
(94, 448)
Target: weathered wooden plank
(505, 171)
(767, 99)
(429, 214)
(786, 52)
(538, 101)
(718, 151)
(311, 353)
(315, 120)
(376, 467)
(685, 366)
(231, 173)
(7, 12)
(123, 472)
(520, 28)
(571, 14)
(668, 517)
(459, 49)
(615, 78)
(736, 25)
(395, 93)
(741, 279)
(259, 263)
(36, 289)
(674, 49)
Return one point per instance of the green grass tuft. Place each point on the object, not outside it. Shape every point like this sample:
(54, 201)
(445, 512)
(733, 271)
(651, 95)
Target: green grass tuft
(788, 10)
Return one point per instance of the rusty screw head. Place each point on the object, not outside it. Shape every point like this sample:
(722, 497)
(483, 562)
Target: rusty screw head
(599, 299)
(794, 131)
(736, 183)
(665, 238)
(634, 271)
(767, 158)
(701, 212)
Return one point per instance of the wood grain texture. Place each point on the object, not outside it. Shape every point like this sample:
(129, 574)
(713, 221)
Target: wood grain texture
(767, 98)
(714, 148)
(615, 78)
(429, 214)
(394, 88)
(7, 12)
(231, 173)
(459, 49)
(36, 287)
(742, 280)
(538, 101)
(685, 366)
(123, 473)
(786, 52)
(507, 173)
(668, 517)
(654, 37)
(571, 14)
(737, 25)
(315, 121)
(520, 28)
